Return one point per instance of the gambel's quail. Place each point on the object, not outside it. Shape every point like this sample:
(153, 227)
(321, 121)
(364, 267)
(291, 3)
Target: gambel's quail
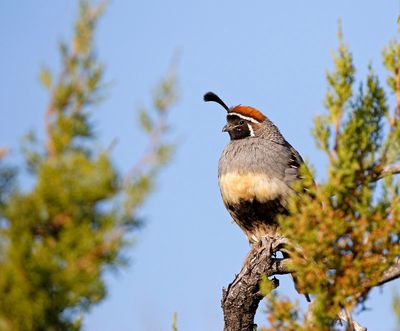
(256, 170)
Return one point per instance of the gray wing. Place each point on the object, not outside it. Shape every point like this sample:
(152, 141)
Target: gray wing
(293, 165)
(283, 162)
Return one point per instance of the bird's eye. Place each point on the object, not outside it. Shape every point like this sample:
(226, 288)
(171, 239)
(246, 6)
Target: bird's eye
(241, 122)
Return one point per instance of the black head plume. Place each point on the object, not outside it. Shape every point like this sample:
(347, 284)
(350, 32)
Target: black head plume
(211, 96)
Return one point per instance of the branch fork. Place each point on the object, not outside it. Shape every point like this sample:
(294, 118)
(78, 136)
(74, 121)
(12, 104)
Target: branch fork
(241, 298)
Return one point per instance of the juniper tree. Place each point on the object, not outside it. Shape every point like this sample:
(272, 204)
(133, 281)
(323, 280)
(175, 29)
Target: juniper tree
(344, 232)
(61, 235)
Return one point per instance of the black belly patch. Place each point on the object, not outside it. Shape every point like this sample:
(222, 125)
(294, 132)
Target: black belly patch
(252, 214)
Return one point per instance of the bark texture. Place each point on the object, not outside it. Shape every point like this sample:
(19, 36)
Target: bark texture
(240, 300)
(242, 297)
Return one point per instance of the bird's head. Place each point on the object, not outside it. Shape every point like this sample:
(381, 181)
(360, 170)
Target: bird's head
(242, 121)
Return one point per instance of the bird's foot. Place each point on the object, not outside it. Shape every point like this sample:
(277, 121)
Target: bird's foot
(274, 244)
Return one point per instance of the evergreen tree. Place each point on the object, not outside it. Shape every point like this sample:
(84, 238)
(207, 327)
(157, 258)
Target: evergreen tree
(59, 237)
(345, 231)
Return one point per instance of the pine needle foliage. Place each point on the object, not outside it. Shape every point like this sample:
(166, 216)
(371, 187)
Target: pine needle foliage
(59, 237)
(345, 231)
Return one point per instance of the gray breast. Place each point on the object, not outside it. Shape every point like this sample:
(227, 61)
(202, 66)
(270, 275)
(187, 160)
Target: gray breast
(257, 169)
(257, 155)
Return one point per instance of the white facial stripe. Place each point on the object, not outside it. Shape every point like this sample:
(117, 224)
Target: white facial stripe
(244, 117)
(251, 130)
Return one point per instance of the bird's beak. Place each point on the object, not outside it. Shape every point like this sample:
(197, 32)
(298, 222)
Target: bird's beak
(225, 128)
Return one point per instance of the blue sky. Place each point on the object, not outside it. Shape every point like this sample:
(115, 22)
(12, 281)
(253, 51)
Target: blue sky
(268, 54)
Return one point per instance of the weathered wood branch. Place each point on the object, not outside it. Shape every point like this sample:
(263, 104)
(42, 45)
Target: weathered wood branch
(392, 273)
(390, 170)
(386, 171)
(242, 297)
(240, 300)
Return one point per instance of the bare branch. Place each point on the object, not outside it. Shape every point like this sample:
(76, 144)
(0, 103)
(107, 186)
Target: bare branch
(240, 300)
(390, 170)
(242, 297)
(391, 273)
(345, 316)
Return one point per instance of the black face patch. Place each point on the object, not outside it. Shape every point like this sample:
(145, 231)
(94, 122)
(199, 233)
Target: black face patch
(237, 127)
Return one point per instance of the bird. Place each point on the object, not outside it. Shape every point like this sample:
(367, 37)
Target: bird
(256, 171)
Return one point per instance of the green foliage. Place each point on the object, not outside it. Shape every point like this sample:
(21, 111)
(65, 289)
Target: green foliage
(347, 228)
(283, 315)
(396, 308)
(7, 181)
(59, 237)
(174, 322)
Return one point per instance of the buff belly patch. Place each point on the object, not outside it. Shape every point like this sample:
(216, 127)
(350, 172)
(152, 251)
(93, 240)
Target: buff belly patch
(237, 187)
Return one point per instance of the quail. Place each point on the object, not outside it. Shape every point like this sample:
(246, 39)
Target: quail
(256, 170)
